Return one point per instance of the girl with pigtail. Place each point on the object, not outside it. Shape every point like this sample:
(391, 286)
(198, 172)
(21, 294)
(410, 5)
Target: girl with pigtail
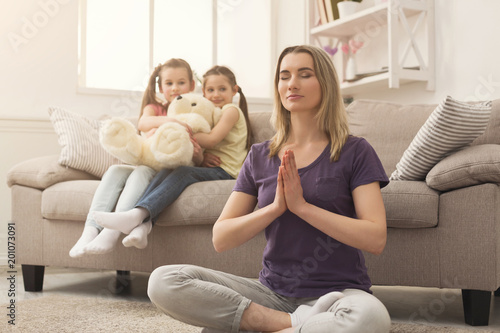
(122, 185)
(226, 148)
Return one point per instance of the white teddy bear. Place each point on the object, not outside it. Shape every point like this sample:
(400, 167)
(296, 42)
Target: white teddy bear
(170, 146)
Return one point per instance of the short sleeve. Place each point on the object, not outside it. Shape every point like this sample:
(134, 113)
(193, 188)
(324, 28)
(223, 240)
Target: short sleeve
(246, 182)
(367, 167)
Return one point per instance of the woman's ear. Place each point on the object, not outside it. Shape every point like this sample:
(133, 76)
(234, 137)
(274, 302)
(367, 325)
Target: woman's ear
(235, 89)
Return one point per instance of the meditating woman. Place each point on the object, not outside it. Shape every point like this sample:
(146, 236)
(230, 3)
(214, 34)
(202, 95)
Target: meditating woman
(320, 205)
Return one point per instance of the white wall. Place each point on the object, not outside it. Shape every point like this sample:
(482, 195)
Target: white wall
(41, 70)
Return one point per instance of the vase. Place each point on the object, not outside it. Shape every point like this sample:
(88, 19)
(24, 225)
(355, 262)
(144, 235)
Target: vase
(351, 68)
(347, 8)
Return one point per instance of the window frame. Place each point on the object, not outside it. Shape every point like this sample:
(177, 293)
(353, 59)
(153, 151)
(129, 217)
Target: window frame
(82, 51)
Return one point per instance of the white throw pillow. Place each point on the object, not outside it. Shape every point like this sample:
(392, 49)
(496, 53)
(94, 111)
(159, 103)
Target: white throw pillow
(451, 126)
(79, 140)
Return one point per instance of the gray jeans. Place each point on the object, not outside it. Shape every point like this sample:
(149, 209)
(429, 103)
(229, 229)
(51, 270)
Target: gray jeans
(203, 297)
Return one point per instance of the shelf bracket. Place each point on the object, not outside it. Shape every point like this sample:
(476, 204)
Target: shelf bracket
(411, 40)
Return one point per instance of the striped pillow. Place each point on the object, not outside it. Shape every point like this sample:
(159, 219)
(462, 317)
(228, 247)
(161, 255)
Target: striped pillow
(79, 140)
(451, 126)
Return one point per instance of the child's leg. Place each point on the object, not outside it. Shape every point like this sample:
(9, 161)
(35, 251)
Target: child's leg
(174, 184)
(126, 219)
(138, 237)
(88, 235)
(136, 183)
(104, 242)
(122, 221)
(105, 199)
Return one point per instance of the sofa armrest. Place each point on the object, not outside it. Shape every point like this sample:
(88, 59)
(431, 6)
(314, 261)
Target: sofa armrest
(43, 172)
(470, 166)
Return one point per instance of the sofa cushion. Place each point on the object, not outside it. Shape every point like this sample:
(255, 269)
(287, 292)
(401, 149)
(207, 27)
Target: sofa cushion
(374, 121)
(471, 166)
(68, 201)
(451, 126)
(200, 203)
(79, 140)
(410, 204)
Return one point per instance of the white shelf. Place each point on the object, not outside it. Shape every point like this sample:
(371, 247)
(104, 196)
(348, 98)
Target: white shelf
(387, 14)
(369, 17)
(371, 83)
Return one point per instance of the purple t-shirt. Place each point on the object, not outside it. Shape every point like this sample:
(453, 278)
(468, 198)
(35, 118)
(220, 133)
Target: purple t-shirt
(299, 260)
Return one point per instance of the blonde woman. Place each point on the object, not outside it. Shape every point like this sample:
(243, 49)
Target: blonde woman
(320, 205)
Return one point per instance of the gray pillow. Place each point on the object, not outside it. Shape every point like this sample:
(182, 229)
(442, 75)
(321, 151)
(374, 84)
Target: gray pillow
(451, 126)
(471, 166)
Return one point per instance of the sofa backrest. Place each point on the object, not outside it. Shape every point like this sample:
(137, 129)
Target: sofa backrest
(492, 132)
(390, 127)
(261, 125)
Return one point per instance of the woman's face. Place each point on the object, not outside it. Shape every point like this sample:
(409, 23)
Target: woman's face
(175, 82)
(298, 86)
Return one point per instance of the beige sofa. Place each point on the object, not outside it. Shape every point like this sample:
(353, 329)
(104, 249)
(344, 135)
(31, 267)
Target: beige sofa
(448, 238)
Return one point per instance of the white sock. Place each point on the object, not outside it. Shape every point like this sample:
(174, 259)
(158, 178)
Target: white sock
(105, 242)
(88, 235)
(122, 221)
(304, 312)
(138, 237)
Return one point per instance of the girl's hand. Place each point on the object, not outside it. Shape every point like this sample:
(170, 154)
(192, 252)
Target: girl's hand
(293, 192)
(188, 129)
(210, 160)
(151, 132)
(197, 153)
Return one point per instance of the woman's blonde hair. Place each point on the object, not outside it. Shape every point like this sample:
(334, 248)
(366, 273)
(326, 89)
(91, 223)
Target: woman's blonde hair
(331, 115)
(149, 96)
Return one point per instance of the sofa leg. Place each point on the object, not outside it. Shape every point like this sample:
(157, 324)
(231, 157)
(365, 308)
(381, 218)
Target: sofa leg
(497, 292)
(476, 306)
(33, 277)
(123, 282)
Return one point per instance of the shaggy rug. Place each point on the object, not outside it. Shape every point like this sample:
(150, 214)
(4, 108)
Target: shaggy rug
(76, 314)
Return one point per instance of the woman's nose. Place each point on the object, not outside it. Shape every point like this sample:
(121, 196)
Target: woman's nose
(292, 83)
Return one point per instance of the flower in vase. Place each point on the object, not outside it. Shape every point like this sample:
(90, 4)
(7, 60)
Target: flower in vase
(355, 45)
(352, 46)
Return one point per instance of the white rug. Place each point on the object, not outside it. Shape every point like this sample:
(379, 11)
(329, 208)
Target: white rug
(77, 314)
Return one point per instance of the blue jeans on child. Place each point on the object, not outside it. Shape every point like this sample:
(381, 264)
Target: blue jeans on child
(168, 185)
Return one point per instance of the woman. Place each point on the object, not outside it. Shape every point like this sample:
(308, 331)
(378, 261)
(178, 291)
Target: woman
(320, 204)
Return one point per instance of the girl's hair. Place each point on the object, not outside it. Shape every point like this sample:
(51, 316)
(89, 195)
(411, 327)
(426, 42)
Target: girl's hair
(155, 79)
(331, 115)
(223, 70)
